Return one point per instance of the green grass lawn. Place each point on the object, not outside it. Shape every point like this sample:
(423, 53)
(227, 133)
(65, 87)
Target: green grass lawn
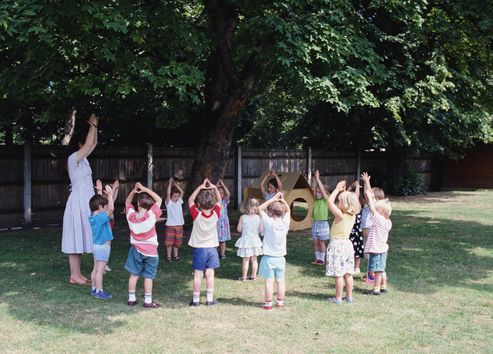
(440, 299)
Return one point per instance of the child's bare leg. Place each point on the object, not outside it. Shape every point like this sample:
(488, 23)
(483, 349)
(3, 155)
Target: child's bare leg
(244, 267)
(357, 262)
(315, 246)
(339, 286)
(281, 288)
(132, 282)
(383, 282)
(321, 247)
(93, 273)
(148, 285)
(378, 281)
(349, 285)
(175, 251)
(254, 267)
(269, 289)
(222, 246)
(209, 282)
(168, 251)
(197, 280)
(100, 267)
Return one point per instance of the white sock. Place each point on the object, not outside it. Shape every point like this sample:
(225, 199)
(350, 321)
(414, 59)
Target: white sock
(99, 290)
(279, 302)
(196, 297)
(148, 298)
(210, 294)
(93, 287)
(316, 255)
(131, 295)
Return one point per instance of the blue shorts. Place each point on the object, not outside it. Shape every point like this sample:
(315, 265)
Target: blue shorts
(101, 252)
(377, 262)
(138, 264)
(320, 230)
(272, 267)
(205, 258)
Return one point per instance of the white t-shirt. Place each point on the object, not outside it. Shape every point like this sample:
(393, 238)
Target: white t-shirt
(274, 243)
(175, 213)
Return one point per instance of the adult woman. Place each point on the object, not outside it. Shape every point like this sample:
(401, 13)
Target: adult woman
(77, 235)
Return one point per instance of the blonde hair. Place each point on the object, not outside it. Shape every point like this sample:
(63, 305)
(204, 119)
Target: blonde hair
(349, 203)
(378, 193)
(249, 206)
(384, 206)
(277, 208)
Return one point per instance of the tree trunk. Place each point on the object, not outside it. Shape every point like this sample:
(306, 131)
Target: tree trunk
(69, 128)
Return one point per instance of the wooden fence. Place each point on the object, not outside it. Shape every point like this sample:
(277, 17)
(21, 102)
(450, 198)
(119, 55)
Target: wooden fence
(33, 192)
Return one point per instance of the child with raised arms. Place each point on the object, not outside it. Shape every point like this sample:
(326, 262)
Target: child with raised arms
(249, 244)
(223, 231)
(205, 214)
(273, 186)
(320, 213)
(340, 252)
(273, 263)
(101, 210)
(174, 222)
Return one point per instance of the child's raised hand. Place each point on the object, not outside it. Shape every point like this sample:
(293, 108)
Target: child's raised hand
(341, 186)
(355, 185)
(317, 174)
(364, 177)
(115, 185)
(138, 187)
(278, 196)
(99, 186)
(108, 190)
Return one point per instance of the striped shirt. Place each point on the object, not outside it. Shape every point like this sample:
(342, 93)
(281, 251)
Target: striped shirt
(143, 233)
(378, 234)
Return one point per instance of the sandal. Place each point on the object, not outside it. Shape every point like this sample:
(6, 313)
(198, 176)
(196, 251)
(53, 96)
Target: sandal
(178, 259)
(252, 278)
(169, 260)
(242, 279)
(334, 301)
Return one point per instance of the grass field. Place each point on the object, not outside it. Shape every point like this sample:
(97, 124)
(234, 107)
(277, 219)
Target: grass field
(440, 299)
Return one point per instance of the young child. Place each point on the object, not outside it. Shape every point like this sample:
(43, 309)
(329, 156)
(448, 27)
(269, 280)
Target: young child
(273, 186)
(249, 244)
(376, 244)
(175, 221)
(356, 235)
(273, 263)
(320, 213)
(340, 252)
(99, 188)
(205, 215)
(365, 219)
(223, 231)
(142, 257)
(101, 210)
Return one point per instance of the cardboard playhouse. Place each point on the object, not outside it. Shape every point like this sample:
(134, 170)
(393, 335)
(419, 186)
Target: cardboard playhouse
(296, 189)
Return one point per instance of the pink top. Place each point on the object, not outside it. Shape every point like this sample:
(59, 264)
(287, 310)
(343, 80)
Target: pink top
(378, 234)
(143, 233)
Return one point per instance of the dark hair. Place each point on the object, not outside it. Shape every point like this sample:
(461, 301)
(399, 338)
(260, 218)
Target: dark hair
(174, 190)
(277, 208)
(273, 181)
(96, 201)
(205, 199)
(145, 200)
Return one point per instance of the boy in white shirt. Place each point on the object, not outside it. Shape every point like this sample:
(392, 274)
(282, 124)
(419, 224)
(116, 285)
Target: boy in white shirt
(273, 263)
(175, 221)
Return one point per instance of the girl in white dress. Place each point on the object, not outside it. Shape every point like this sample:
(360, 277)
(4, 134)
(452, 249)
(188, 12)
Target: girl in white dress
(249, 244)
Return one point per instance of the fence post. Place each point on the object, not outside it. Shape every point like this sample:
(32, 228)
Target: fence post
(27, 184)
(309, 165)
(149, 166)
(358, 170)
(239, 181)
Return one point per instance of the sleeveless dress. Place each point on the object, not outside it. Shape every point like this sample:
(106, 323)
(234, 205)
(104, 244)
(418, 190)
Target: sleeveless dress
(223, 231)
(356, 237)
(77, 234)
(249, 244)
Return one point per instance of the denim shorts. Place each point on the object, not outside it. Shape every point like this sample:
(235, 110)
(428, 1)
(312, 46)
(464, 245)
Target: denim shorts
(377, 262)
(272, 267)
(101, 252)
(138, 264)
(320, 230)
(205, 258)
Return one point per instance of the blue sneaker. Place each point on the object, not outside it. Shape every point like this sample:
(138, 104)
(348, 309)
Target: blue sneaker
(93, 292)
(102, 295)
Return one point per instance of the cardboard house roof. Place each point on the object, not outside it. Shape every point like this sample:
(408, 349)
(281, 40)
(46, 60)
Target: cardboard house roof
(289, 180)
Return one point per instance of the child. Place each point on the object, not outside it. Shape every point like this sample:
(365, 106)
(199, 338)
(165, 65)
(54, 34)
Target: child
(273, 263)
(223, 231)
(377, 241)
(175, 221)
(101, 210)
(356, 235)
(320, 226)
(365, 218)
(273, 187)
(249, 244)
(205, 215)
(142, 257)
(340, 252)
(99, 188)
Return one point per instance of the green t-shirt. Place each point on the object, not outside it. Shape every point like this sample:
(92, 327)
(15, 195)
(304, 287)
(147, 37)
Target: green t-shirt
(320, 209)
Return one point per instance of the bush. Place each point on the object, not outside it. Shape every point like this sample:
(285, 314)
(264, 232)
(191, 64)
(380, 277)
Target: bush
(411, 183)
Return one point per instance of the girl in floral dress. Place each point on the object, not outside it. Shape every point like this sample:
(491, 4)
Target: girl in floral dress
(223, 231)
